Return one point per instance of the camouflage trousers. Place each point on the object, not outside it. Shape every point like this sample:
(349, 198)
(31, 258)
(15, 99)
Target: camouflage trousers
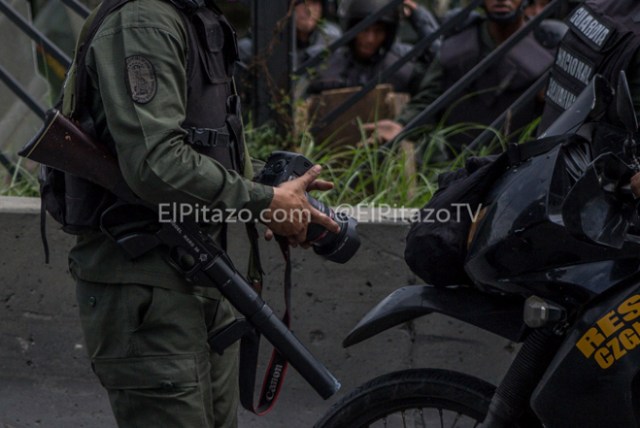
(148, 346)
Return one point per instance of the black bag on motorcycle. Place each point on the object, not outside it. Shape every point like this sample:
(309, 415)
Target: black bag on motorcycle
(437, 240)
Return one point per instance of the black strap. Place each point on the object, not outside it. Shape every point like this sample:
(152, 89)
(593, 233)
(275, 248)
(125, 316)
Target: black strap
(105, 8)
(209, 137)
(43, 231)
(518, 153)
(234, 122)
(250, 345)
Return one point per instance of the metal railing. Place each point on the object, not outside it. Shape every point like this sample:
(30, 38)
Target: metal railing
(452, 93)
(271, 16)
(417, 50)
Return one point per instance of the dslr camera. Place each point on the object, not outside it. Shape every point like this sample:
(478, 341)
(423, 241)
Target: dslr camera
(336, 247)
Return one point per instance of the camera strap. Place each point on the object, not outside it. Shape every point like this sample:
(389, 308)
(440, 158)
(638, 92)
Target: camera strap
(250, 342)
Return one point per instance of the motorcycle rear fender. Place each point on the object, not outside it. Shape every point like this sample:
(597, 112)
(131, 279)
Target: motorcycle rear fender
(498, 314)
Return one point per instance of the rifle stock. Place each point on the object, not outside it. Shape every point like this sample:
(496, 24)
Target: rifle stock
(62, 145)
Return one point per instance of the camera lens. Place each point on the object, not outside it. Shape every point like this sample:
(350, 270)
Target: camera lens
(336, 247)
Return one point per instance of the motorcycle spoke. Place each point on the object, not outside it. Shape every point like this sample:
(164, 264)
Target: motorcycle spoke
(415, 398)
(425, 418)
(456, 420)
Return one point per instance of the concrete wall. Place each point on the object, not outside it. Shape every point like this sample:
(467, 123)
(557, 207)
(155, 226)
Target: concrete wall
(45, 379)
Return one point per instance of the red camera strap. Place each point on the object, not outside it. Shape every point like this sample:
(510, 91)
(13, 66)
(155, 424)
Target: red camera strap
(250, 347)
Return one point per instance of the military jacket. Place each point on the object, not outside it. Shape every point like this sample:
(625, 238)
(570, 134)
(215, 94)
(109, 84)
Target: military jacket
(138, 95)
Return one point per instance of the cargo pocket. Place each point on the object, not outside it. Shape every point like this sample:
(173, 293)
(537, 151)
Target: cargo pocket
(161, 391)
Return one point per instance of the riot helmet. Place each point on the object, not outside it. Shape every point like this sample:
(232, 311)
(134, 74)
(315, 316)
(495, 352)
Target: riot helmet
(324, 3)
(506, 16)
(308, 14)
(351, 12)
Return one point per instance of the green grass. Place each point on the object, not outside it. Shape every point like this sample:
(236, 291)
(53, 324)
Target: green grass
(367, 174)
(19, 182)
(374, 174)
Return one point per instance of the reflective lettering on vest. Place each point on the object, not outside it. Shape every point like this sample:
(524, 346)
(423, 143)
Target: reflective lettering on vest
(589, 26)
(560, 95)
(573, 66)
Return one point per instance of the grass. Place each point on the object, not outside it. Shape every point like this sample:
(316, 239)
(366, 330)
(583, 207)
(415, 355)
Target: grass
(366, 174)
(374, 174)
(18, 181)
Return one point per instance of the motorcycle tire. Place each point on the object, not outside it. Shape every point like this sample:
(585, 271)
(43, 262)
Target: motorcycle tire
(413, 398)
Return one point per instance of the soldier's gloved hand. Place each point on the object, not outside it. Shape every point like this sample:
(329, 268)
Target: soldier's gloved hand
(290, 213)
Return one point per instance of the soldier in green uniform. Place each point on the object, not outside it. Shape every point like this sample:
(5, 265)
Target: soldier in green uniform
(157, 89)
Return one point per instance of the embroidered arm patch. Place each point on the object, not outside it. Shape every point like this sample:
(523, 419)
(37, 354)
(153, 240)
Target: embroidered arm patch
(141, 79)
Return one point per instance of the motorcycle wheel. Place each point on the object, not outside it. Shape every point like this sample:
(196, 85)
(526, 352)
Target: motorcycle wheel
(413, 398)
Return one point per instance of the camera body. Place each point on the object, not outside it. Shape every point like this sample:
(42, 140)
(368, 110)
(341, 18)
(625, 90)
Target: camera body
(336, 247)
(283, 166)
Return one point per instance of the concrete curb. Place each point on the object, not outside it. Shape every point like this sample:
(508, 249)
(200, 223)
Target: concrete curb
(45, 379)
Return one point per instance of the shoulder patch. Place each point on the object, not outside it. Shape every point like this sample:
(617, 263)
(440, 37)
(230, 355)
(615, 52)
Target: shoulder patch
(141, 79)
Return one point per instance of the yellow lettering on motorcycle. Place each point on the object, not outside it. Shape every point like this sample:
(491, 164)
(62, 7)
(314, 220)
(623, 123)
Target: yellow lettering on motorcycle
(604, 358)
(614, 345)
(590, 341)
(636, 327)
(612, 337)
(629, 339)
(610, 323)
(630, 308)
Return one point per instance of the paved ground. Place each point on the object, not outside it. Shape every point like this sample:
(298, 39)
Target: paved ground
(46, 381)
(65, 403)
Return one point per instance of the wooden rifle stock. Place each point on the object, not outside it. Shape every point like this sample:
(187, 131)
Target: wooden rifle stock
(61, 144)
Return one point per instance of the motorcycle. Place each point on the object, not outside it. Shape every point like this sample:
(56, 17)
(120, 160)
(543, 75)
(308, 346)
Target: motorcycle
(555, 262)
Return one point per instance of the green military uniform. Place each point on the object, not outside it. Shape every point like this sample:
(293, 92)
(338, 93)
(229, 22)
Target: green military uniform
(146, 328)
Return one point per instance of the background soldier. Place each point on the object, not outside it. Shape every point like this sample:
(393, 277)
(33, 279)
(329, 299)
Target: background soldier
(374, 49)
(496, 89)
(603, 38)
(313, 32)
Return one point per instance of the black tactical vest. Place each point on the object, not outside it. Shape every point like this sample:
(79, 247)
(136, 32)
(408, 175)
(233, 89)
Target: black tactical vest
(497, 88)
(602, 39)
(213, 116)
